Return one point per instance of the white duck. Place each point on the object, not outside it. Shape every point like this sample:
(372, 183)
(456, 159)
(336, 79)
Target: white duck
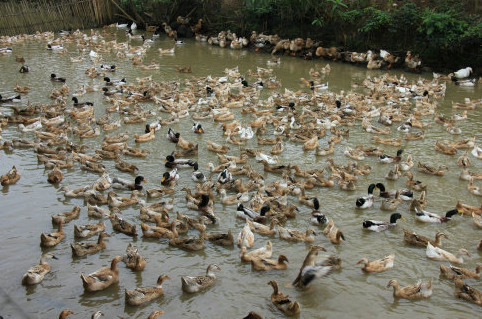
(246, 237)
(436, 253)
(463, 73)
(36, 273)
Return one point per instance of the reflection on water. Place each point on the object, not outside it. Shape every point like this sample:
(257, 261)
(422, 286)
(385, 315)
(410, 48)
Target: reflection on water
(26, 207)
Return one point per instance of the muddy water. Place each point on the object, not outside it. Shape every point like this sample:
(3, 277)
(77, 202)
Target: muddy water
(26, 207)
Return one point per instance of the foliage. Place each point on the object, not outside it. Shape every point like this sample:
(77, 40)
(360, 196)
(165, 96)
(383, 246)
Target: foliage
(375, 20)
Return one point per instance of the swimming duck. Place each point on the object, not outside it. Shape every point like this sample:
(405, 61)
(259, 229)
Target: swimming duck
(394, 174)
(123, 226)
(172, 162)
(427, 217)
(412, 238)
(81, 104)
(262, 252)
(318, 218)
(366, 201)
(476, 190)
(54, 78)
(384, 158)
(55, 176)
(283, 302)
(424, 168)
(477, 219)
(263, 229)
(52, 239)
(11, 177)
(312, 268)
(189, 243)
(55, 47)
(37, 273)
(262, 264)
(378, 226)
(225, 176)
(66, 216)
(248, 213)
(215, 147)
(24, 69)
(463, 73)
(378, 265)
(170, 178)
(452, 272)
(464, 160)
(245, 237)
(221, 239)
(120, 183)
(133, 259)
(139, 296)
(145, 137)
(333, 233)
(383, 192)
(416, 185)
(468, 209)
(196, 175)
(476, 151)
(64, 313)
(197, 128)
(466, 292)
(412, 292)
(390, 204)
(198, 283)
(108, 82)
(436, 253)
(154, 314)
(159, 232)
(82, 249)
(296, 235)
(10, 99)
(88, 230)
(103, 277)
(124, 166)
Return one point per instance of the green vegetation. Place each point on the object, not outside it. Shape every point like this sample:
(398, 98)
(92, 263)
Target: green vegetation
(445, 33)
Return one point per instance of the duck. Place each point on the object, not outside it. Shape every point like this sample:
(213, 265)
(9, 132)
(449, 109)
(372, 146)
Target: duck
(67, 216)
(55, 176)
(65, 313)
(466, 292)
(390, 204)
(123, 226)
(428, 217)
(81, 104)
(11, 177)
(82, 249)
(416, 185)
(475, 190)
(378, 226)
(36, 273)
(464, 160)
(394, 174)
(477, 219)
(378, 265)
(196, 284)
(318, 218)
(263, 229)
(468, 209)
(172, 162)
(197, 128)
(170, 178)
(476, 151)
(54, 78)
(52, 239)
(55, 47)
(142, 295)
(155, 313)
(312, 268)
(413, 292)
(189, 243)
(452, 272)
(383, 192)
(263, 252)
(333, 233)
(119, 201)
(88, 230)
(248, 213)
(215, 147)
(262, 264)
(145, 137)
(436, 253)
(245, 237)
(384, 158)
(283, 302)
(159, 232)
(102, 278)
(16, 98)
(133, 259)
(221, 239)
(463, 73)
(296, 235)
(120, 183)
(414, 239)
(366, 201)
(196, 175)
(424, 168)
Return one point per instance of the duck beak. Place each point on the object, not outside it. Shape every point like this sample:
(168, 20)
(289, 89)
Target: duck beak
(163, 179)
(144, 180)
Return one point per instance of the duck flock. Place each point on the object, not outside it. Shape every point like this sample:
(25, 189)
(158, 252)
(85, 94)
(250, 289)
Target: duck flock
(255, 121)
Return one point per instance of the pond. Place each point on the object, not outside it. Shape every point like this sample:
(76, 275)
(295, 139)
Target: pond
(27, 206)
